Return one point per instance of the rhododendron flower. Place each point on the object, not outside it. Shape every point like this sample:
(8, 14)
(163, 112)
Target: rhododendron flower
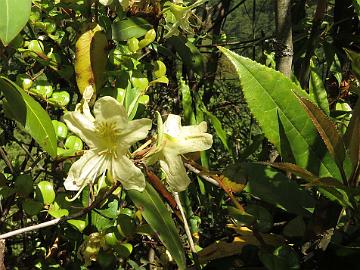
(175, 140)
(109, 135)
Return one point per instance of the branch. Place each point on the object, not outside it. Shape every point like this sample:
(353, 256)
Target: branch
(217, 182)
(225, 15)
(6, 159)
(159, 186)
(199, 173)
(63, 219)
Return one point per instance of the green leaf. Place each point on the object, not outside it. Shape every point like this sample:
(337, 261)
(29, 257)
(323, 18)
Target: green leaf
(282, 258)
(218, 128)
(327, 131)
(292, 168)
(32, 207)
(45, 192)
(271, 98)
(352, 137)
(187, 103)
(274, 187)
(105, 218)
(30, 114)
(160, 220)
(329, 187)
(58, 213)
(263, 220)
(355, 59)
(79, 224)
(295, 228)
(356, 4)
(188, 52)
(159, 69)
(129, 28)
(74, 143)
(24, 184)
(317, 90)
(336, 69)
(60, 128)
(14, 15)
(60, 99)
(123, 250)
(126, 225)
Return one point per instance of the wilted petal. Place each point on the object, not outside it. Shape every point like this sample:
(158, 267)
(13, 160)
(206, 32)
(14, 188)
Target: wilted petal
(175, 172)
(81, 126)
(130, 176)
(136, 130)
(86, 169)
(107, 107)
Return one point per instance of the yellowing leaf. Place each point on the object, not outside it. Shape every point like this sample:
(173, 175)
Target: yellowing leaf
(90, 58)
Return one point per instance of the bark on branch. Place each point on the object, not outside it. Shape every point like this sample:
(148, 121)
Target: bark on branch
(284, 46)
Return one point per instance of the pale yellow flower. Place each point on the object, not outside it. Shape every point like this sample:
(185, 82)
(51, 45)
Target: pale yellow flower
(109, 136)
(175, 140)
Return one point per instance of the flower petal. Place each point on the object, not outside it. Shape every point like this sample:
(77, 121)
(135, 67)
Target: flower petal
(194, 129)
(175, 172)
(108, 107)
(172, 125)
(130, 176)
(81, 126)
(136, 130)
(194, 143)
(86, 169)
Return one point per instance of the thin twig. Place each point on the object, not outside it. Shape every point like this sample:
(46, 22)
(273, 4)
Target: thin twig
(159, 186)
(6, 159)
(31, 228)
(198, 172)
(186, 225)
(219, 20)
(63, 219)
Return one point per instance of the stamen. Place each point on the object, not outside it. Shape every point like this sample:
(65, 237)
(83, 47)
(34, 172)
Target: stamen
(78, 193)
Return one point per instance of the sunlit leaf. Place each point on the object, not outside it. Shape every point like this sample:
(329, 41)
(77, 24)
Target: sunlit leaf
(271, 98)
(317, 90)
(160, 220)
(30, 114)
(130, 27)
(187, 103)
(13, 17)
(327, 131)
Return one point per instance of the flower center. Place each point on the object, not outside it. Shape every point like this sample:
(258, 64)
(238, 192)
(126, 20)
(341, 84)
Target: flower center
(108, 132)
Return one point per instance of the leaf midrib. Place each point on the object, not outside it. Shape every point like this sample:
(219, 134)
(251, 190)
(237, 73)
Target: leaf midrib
(7, 20)
(38, 119)
(163, 221)
(302, 137)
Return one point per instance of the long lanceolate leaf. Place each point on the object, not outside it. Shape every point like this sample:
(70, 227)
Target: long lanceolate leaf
(158, 217)
(352, 140)
(327, 131)
(30, 114)
(317, 90)
(272, 100)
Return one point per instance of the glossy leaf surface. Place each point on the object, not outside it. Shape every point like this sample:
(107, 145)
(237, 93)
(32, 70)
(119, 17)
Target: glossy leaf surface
(272, 100)
(13, 16)
(30, 114)
(160, 220)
